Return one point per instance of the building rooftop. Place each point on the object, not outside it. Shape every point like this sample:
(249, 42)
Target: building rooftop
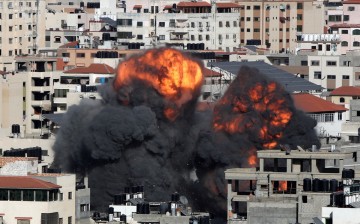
(25, 182)
(211, 73)
(194, 4)
(289, 81)
(304, 70)
(92, 69)
(351, 2)
(345, 25)
(6, 160)
(73, 44)
(312, 104)
(227, 5)
(346, 91)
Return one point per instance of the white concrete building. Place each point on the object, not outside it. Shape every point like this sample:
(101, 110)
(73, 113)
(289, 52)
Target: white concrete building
(332, 72)
(329, 116)
(28, 199)
(22, 30)
(198, 26)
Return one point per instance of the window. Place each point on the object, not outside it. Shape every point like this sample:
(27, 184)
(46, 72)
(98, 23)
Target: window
(139, 24)
(248, 30)
(346, 18)
(146, 10)
(315, 63)
(342, 100)
(248, 19)
(125, 35)
(40, 195)
(335, 18)
(70, 195)
(207, 37)
(61, 221)
(344, 31)
(345, 77)
(61, 93)
(70, 217)
(356, 44)
(317, 75)
(304, 199)
(10, 16)
(23, 221)
(10, 40)
(124, 22)
(331, 77)
(15, 195)
(10, 28)
(248, 7)
(161, 37)
(220, 24)
(331, 63)
(200, 38)
(256, 19)
(256, 7)
(299, 28)
(61, 196)
(161, 24)
(235, 24)
(80, 55)
(10, 53)
(351, 8)
(256, 30)
(139, 37)
(227, 24)
(324, 117)
(344, 43)
(4, 195)
(299, 17)
(304, 63)
(299, 5)
(267, 19)
(328, 47)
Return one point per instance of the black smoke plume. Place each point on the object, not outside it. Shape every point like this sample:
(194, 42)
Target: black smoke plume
(125, 140)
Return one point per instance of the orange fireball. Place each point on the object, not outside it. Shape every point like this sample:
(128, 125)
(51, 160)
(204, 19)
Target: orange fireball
(255, 107)
(176, 77)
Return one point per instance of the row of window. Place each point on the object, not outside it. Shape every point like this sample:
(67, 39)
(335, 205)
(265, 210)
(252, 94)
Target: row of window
(15, 52)
(317, 63)
(10, 5)
(325, 117)
(355, 44)
(20, 27)
(354, 32)
(258, 7)
(31, 195)
(317, 75)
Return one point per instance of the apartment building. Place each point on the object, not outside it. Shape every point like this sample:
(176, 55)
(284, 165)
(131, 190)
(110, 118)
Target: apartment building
(275, 24)
(329, 116)
(22, 33)
(80, 83)
(332, 72)
(196, 26)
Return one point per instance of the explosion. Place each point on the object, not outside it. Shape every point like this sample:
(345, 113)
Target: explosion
(173, 75)
(146, 131)
(260, 109)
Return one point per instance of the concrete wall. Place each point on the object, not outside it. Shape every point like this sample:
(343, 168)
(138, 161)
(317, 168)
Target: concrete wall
(19, 168)
(271, 212)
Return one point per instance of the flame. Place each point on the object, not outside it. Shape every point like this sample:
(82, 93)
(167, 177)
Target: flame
(258, 111)
(282, 185)
(172, 74)
(252, 160)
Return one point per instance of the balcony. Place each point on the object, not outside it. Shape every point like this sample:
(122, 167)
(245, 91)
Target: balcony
(40, 103)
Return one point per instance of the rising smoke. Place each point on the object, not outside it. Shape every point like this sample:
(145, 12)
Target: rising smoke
(147, 131)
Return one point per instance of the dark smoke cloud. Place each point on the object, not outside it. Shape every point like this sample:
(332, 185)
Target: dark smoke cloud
(120, 144)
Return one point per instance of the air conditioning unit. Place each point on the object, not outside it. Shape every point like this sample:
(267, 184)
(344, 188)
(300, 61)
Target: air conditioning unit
(318, 6)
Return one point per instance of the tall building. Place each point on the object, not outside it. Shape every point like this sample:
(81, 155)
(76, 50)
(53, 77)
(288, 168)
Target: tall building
(187, 25)
(275, 24)
(21, 28)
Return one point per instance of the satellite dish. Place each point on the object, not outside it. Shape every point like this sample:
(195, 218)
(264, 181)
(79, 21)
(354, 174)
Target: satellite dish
(184, 200)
